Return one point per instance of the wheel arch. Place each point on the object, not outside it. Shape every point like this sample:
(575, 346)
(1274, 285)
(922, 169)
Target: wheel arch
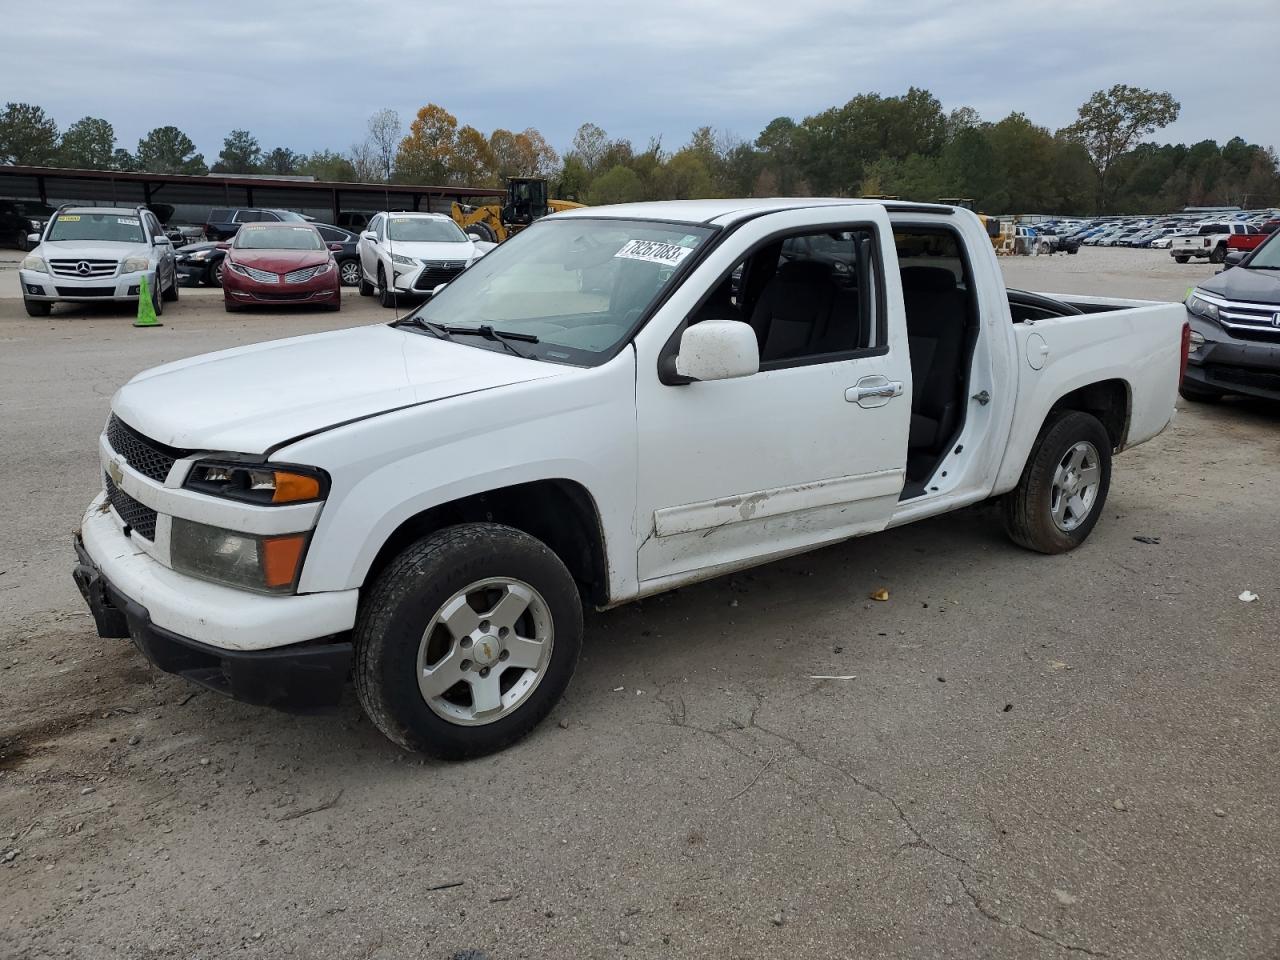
(559, 512)
(1111, 401)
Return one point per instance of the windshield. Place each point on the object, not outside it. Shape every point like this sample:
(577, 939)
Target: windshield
(1267, 256)
(263, 236)
(97, 226)
(579, 285)
(424, 230)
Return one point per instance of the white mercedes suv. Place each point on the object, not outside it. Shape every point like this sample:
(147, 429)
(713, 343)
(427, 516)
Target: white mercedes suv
(94, 254)
(408, 255)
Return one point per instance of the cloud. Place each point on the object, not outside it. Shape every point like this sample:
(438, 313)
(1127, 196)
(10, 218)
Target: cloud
(307, 73)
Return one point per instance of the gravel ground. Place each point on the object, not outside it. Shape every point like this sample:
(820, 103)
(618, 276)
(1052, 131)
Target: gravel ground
(1038, 756)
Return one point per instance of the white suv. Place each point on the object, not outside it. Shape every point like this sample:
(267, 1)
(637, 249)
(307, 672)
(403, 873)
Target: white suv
(95, 254)
(410, 254)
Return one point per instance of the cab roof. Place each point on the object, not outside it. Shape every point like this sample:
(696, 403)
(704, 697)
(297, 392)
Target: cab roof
(723, 212)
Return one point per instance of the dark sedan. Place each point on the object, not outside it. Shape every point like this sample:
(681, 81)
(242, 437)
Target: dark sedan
(1235, 330)
(201, 263)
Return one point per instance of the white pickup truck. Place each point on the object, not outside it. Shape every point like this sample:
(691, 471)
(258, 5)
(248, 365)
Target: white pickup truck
(1209, 240)
(616, 402)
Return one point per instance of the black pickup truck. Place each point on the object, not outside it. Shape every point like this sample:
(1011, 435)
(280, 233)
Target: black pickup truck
(223, 222)
(1235, 330)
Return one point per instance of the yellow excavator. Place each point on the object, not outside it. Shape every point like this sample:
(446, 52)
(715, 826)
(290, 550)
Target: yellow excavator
(526, 202)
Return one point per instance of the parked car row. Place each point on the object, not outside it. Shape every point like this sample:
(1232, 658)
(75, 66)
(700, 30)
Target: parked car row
(115, 254)
(1208, 237)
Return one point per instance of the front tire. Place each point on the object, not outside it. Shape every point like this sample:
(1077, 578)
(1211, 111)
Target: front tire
(171, 295)
(1064, 485)
(213, 275)
(386, 297)
(37, 308)
(1219, 254)
(1196, 395)
(366, 288)
(467, 640)
(349, 273)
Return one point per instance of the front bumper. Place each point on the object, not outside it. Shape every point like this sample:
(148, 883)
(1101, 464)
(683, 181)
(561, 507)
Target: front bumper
(300, 678)
(58, 289)
(323, 289)
(193, 271)
(1227, 364)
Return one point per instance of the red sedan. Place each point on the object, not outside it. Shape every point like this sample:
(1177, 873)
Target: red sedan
(278, 264)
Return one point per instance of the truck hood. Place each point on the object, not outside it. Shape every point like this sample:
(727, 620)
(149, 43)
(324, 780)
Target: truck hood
(1241, 283)
(250, 399)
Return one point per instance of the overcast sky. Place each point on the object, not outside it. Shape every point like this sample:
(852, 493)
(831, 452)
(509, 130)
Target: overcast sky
(307, 73)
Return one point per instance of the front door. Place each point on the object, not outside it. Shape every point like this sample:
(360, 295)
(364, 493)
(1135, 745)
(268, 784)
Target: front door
(811, 449)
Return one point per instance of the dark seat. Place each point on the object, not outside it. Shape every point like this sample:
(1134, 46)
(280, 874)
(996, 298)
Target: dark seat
(936, 321)
(802, 311)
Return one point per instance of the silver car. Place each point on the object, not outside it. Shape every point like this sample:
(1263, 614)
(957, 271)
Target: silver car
(97, 254)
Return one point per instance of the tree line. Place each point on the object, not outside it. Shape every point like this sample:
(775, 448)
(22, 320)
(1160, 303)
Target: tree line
(873, 145)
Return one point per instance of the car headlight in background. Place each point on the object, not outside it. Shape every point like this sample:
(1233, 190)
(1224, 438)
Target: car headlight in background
(35, 264)
(403, 261)
(199, 255)
(264, 564)
(1201, 307)
(135, 265)
(264, 484)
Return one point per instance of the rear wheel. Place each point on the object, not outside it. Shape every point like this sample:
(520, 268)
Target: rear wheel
(386, 297)
(213, 276)
(467, 641)
(1181, 259)
(483, 231)
(366, 288)
(1063, 487)
(349, 273)
(37, 308)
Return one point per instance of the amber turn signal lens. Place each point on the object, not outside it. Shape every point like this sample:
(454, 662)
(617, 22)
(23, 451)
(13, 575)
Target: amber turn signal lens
(280, 559)
(293, 487)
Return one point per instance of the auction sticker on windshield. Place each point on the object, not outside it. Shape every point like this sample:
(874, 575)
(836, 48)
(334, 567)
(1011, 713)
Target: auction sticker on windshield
(654, 251)
(69, 218)
(127, 221)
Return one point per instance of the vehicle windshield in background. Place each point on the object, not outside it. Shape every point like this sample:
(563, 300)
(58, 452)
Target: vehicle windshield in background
(97, 226)
(261, 236)
(1267, 256)
(291, 216)
(423, 230)
(579, 285)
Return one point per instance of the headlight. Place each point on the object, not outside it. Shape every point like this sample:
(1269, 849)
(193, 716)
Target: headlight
(236, 268)
(403, 261)
(36, 264)
(263, 484)
(200, 255)
(135, 265)
(324, 268)
(262, 564)
(1201, 307)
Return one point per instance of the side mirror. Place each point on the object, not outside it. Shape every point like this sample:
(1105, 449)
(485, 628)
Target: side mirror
(33, 238)
(370, 236)
(224, 245)
(157, 241)
(437, 288)
(475, 238)
(1234, 257)
(335, 246)
(718, 350)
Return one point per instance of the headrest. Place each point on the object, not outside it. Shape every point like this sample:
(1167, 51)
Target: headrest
(933, 279)
(804, 271)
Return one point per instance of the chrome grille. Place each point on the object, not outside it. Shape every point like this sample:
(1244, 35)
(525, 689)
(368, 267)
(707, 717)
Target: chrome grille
(84, 268)
(136, 515)
(1249, 318)
(436, 272)
(301, 275)
(262, 276)
(152, 460)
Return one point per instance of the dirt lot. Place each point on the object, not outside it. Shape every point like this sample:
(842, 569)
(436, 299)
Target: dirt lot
(1039, 757)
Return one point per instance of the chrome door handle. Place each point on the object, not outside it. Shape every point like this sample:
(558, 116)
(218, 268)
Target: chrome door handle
(873, 391)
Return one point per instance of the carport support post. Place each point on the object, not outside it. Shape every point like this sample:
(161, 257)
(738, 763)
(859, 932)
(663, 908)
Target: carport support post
(335, 206)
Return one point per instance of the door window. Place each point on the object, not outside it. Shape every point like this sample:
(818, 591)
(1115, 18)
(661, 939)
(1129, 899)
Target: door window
(809, 297)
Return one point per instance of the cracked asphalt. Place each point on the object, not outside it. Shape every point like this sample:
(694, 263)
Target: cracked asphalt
(1034, 757)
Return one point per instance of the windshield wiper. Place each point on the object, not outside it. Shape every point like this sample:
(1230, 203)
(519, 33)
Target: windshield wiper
(439, 329)
(503, 337)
